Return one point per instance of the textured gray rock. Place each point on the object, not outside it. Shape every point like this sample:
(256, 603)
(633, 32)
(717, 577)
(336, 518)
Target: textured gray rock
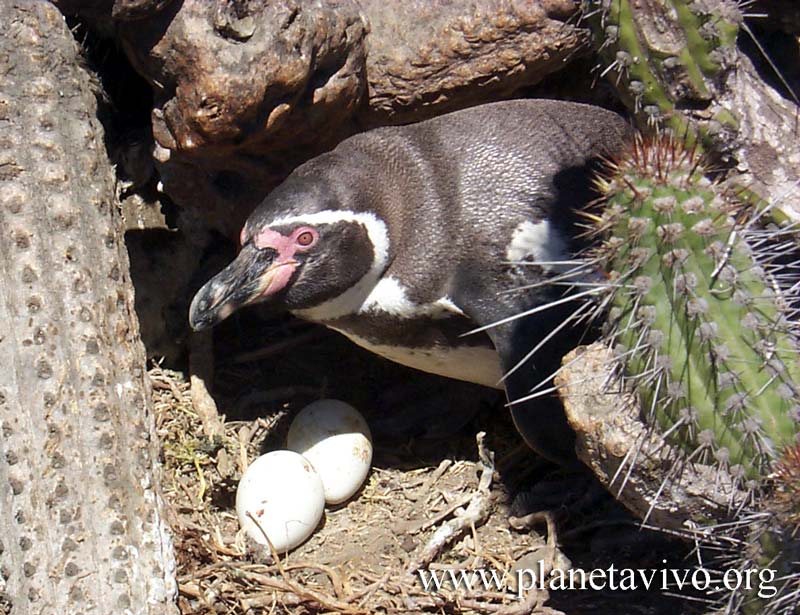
(81, 522)
(631, 459)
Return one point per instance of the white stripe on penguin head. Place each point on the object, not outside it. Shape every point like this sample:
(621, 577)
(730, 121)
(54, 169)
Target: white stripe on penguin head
(353, 298)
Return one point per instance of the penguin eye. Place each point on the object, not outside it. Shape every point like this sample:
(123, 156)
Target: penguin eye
(306, 238)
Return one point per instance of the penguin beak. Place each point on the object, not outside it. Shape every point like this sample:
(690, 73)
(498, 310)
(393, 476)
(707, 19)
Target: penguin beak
(242, 282)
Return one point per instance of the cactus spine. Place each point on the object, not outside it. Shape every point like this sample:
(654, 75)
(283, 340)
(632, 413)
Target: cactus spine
(696, 313)
(702, 309)
(665, 59)
(702, 301)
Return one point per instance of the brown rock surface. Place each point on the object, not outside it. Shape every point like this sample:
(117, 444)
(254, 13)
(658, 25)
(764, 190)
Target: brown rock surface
(102, 13)
(236, 82)
(246, 91)
(428, 57)
(645, 473)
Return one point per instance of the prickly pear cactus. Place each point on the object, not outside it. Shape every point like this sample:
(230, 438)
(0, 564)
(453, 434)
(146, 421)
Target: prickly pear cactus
(666, 58)
(698, 314)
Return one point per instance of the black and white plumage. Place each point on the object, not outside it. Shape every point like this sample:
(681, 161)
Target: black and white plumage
(404, 238)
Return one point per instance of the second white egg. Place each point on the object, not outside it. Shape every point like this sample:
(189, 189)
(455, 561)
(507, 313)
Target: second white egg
(280, 495)
(336, 439)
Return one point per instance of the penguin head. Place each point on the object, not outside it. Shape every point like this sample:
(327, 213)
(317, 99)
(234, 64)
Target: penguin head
(305, 254)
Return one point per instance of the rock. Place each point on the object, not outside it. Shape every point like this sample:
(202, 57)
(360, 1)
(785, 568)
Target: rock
(426, 57)
(100, 14)
(136, 9)
(643, 472)
(243, 92)
(246, 91)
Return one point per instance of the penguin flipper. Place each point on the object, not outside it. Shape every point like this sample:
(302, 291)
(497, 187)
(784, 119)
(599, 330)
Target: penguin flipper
(541, 421)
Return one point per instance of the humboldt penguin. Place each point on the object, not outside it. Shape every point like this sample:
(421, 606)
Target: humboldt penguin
(405, 239)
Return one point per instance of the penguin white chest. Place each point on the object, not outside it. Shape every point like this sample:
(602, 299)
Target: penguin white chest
(477, 364)
(389, 298)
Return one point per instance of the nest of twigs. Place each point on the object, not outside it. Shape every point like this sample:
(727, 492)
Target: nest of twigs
(451, 504)
(364, 557)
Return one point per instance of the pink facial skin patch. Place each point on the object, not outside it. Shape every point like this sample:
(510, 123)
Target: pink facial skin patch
(279, 276)
(283, 245)
(282, 269)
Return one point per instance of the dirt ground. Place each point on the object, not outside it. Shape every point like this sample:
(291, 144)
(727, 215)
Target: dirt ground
(426, 475)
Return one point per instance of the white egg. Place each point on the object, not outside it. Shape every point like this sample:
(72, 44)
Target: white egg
(335, 438)
(284, 493)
